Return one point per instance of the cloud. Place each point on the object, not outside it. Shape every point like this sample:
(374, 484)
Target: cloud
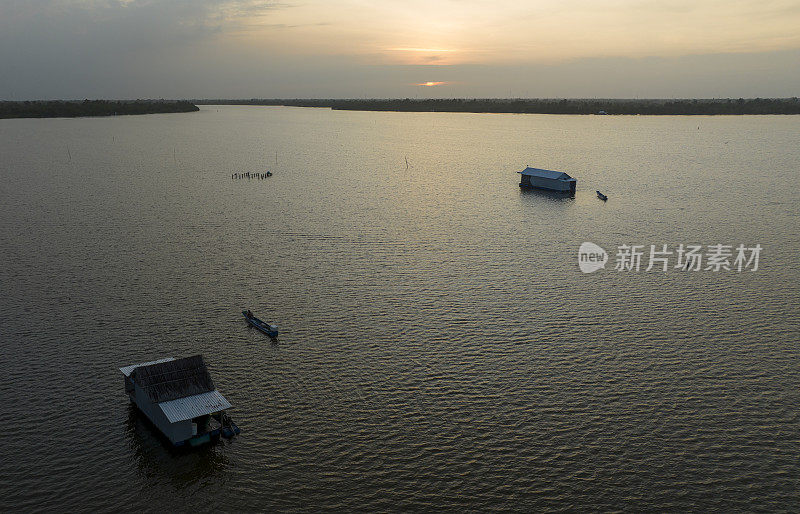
(261, 48)
(120, 24)
(80, 46)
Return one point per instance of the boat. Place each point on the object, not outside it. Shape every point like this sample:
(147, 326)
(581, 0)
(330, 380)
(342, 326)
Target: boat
(601, 196)
(270, 330)
(229, 428)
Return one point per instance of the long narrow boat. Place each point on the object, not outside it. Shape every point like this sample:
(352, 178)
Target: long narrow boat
(270, 330)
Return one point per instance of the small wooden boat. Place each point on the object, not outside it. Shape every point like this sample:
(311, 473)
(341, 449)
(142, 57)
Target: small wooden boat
(601, 196)
(228, 432)
(229, 428)
(270, 330)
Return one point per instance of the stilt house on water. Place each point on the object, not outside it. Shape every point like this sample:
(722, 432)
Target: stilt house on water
(179, 398)
(547, 179)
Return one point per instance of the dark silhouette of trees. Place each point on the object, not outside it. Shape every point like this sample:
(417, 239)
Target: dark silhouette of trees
(543, 106)
(70, 109)
(66, 109)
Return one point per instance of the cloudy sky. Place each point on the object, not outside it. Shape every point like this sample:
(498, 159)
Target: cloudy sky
(410, 48)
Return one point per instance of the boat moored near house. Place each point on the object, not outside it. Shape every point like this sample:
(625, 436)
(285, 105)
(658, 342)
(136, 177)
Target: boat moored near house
(180, 399)
(547, 179)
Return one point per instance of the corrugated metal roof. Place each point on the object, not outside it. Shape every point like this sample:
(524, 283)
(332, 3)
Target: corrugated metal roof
(128, 369)
(538, 172)
(167, 381)
(193, 406)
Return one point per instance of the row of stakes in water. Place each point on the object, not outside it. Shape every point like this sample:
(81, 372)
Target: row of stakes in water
(248, 175)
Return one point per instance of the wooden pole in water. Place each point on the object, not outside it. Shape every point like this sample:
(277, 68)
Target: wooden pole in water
(70, 155)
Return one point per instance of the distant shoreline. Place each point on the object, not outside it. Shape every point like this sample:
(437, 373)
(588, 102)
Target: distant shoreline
(672, 107)
(78, 108)
(685, 107)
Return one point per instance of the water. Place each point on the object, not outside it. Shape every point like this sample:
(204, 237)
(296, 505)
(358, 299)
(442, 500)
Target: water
(439, 347)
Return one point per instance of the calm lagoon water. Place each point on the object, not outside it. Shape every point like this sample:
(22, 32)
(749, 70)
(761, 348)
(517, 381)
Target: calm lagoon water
(439, 346)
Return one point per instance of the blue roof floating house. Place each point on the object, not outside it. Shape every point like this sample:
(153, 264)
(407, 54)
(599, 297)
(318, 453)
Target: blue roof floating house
(179, 397)
(547, 179)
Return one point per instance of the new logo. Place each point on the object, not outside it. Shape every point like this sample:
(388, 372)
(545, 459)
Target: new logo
(591, 257)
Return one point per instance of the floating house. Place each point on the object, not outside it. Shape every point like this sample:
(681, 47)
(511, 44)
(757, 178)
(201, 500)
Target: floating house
(179, 398)
(547, 179)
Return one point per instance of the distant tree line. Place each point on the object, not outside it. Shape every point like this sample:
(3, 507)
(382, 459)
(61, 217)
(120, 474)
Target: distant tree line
(70, 109)
(544, 106)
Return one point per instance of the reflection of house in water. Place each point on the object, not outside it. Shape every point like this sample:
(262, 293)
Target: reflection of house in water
(179, 398)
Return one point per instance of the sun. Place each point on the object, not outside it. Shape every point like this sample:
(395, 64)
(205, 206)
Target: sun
(430, 84)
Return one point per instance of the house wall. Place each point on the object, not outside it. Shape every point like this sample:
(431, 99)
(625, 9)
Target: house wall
(547, 183)
(176, 432)
(182, 430)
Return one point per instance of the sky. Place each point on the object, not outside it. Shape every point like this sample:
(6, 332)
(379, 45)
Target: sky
(76, 49)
